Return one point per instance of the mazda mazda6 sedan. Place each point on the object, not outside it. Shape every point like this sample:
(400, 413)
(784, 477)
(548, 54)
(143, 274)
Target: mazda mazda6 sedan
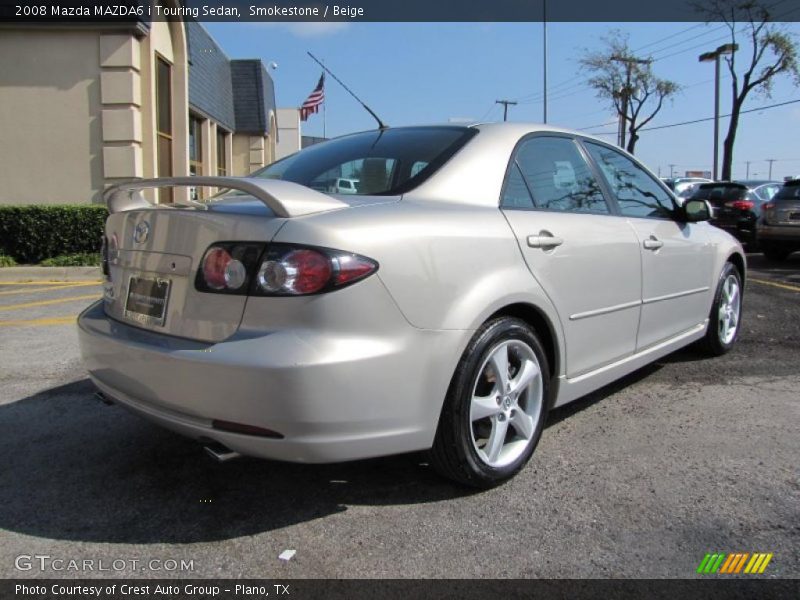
(479, 277)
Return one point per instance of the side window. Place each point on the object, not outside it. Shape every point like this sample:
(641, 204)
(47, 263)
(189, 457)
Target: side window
(516, 194)
(637, 193)
(557, 176)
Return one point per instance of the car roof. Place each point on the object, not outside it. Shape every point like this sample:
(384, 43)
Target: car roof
(732, 184)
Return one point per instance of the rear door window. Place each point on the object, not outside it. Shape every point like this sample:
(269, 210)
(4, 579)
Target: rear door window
(549, 173)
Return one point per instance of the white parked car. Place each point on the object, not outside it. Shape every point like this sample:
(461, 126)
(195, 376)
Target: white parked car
(480, 277)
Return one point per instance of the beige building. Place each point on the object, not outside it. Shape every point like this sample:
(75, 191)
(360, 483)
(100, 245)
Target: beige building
(289, 132)
(81, 109)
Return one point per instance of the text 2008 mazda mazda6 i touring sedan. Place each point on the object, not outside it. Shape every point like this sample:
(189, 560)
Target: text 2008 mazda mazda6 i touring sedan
(479, 277)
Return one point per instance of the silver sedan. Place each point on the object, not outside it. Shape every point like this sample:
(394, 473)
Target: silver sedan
(480, 277)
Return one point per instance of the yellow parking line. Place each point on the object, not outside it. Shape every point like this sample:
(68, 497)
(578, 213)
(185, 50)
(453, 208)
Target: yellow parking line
(783, 286)
(39, 322)
(47, 289)
(46, 302)
(57, 283)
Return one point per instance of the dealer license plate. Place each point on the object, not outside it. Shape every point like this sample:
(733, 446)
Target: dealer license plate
(147, 300)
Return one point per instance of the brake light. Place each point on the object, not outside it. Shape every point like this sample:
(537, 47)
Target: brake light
(741, 204)
(768, 206)
(226, 267)
(278, 269)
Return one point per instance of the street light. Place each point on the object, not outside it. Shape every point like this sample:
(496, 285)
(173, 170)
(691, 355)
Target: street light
(708, 57)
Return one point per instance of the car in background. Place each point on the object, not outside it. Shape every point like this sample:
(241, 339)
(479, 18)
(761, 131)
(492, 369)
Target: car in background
(763, 188)
(779, 225)
(680, 184)
(736, 207)
(344, 186)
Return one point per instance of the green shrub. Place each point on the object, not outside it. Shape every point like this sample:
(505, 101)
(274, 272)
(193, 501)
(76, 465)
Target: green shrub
(6, 261)
(83, 259)
(30, 234)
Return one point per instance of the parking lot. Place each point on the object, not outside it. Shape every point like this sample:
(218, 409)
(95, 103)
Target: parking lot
(640, 479)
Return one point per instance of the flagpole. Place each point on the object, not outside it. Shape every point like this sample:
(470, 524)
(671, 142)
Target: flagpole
(324, 113)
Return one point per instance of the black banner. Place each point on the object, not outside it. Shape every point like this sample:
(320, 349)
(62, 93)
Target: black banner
(409, 589)
(83, 11)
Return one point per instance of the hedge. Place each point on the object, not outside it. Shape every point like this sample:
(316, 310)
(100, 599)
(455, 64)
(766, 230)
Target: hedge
(32, 233)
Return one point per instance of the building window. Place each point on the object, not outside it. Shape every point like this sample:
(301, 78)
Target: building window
(195, 152)
(164, 124)
(222, 161)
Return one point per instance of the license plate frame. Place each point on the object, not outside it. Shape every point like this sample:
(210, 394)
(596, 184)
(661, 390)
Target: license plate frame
(147, 299)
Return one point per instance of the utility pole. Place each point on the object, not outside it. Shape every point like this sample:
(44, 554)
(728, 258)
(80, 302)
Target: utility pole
(708, 57)
(672, 170)
(748, 169)
(544, 70)
(505, 104)
(770, 161)
(626, 92)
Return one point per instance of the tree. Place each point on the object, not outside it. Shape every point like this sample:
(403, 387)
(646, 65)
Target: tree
(773, 52)
(628, 82)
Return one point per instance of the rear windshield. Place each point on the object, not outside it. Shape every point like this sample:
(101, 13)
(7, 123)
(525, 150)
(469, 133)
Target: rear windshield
(387, 162)
(722, 192)
(788, 192)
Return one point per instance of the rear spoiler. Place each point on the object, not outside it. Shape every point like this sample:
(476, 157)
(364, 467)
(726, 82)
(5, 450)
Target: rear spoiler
(284, 198)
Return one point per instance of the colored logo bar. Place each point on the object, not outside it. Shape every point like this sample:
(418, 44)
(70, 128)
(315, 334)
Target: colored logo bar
(734, 563)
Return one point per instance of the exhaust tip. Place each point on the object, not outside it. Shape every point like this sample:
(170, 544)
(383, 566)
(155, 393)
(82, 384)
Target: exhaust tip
(220, 452)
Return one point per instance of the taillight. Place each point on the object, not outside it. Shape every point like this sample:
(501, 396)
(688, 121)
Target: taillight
(288, 270)
(278, 269)
(227, 267)
(741, 204)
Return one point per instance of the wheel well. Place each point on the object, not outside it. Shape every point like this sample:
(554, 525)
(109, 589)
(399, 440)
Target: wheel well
(540, 324)
(738, 261)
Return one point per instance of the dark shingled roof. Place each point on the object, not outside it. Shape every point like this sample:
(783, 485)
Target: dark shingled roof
(253, 96)
(210, 89)
(238, 94)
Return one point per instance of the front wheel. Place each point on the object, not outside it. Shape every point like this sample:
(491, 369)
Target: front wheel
(496, 406)
(726, 312)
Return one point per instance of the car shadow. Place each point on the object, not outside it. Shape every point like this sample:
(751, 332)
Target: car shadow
(75, 469)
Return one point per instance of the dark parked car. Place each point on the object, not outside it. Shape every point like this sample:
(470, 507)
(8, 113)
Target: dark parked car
(736, 207)
(779, 226)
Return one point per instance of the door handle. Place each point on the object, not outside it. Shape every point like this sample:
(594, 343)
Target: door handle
(652, 243)
(544, 240)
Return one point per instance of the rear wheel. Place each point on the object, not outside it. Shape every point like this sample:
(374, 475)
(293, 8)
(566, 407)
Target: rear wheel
(496, 406)
(726, 312)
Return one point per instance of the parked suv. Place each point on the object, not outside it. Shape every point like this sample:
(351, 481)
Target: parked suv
(779, 226)
(736, 207)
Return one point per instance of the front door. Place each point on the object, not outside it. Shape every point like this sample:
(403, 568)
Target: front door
(677, 258)
(586, 259)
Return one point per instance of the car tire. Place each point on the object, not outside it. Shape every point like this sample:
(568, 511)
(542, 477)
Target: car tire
(724, 320)
(490, 424)
(774, 254)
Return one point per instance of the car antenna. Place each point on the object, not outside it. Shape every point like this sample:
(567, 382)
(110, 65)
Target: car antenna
(381, 125)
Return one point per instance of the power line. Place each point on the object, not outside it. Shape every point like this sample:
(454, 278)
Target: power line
(744, 112)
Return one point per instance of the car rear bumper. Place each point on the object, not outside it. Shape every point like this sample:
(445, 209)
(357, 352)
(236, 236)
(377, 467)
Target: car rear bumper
(776, 233)
(332, 398)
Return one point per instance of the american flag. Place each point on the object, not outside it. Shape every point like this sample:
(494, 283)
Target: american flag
(317, 97)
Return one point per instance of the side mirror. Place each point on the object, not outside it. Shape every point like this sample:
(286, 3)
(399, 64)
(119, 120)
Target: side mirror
(695, 211)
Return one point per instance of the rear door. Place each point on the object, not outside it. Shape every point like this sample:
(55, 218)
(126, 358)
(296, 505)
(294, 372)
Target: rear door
(585, 258)
(677, 258)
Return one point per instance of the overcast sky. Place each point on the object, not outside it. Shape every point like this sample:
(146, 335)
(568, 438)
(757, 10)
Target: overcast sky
(412, 73)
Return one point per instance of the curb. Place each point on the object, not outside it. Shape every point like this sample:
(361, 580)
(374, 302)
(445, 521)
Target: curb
(26, 274)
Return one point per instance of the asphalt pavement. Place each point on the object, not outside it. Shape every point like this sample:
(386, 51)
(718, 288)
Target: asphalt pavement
(640, 479)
